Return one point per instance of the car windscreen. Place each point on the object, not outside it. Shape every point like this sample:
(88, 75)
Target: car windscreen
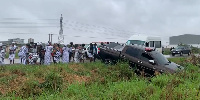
(138, 42)
(179, 47)
(159, 58)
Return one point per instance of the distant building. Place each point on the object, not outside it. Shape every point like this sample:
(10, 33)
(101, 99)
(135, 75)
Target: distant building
(189, 39)
(6, 42)
(16, 40)
(30, 40)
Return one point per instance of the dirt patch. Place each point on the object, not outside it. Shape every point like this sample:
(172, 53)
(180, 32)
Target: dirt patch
(4, 74)
(76, 67)
(14, 85)
(40, 80)
(17, 82)
(71, 78)
(95, 73)
(2, 89)
(18, 72)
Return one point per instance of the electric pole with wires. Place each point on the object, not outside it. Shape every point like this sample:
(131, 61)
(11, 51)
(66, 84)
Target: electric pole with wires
(61, 36)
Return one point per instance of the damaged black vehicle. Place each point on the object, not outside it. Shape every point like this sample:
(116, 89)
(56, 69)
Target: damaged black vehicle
(142, 59)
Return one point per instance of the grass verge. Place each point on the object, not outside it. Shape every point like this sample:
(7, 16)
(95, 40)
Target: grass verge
(95, 81)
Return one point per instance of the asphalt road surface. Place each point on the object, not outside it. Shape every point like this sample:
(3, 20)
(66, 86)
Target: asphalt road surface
(17, 61)
(184, 55)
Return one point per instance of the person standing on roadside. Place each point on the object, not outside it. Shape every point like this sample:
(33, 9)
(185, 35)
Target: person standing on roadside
(12, 50)
(2, 54)
(23, 53)
(65, 56)
(76, 55)
(90, 52)
(56, 54)
(47, 57)
(95, 51)
(41, 52)
(70, 51)
(83, 55)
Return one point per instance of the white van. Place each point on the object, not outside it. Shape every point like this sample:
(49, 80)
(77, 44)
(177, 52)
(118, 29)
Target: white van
(147, 41)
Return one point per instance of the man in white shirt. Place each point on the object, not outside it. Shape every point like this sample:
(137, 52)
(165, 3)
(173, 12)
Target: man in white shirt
(2, 54)
(12, 50)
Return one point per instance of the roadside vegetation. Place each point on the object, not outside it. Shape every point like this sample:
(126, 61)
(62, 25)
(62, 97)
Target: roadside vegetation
(97, 81)
(166, 51)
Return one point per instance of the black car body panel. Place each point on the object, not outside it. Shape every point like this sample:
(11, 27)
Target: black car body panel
(137, 55)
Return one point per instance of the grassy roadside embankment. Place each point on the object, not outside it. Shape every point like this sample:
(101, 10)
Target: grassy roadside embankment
(95, 81)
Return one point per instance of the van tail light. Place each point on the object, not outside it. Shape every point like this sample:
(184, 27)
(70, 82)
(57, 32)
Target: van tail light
(148, 49)
(98, 50)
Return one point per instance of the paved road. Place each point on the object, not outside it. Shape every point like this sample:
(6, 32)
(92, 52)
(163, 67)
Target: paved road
(6, 61)
(184, 55)
(17, 61)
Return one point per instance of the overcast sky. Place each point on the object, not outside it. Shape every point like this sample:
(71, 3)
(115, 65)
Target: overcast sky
(98, 20)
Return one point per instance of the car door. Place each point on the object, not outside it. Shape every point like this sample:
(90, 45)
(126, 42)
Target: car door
(186, 50)
(145, 56)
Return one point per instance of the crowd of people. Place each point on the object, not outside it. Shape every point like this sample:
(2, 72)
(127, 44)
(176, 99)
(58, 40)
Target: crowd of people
(51, 53)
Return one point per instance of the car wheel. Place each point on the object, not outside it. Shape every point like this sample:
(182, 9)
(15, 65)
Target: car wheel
(189, 53)
(173, 54)
(181, 53)
(108, 61)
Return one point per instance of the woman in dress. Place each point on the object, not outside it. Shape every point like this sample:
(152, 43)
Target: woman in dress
(76, 55)
(56, 54)
(12, 50)
(65, 57)
(23, 53)
(47, 56)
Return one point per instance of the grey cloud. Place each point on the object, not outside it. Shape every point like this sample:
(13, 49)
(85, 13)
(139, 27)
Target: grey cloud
(154, 17)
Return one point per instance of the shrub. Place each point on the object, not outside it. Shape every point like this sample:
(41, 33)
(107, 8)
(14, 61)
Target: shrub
(53, 82)
(30, 88)
(161, 80)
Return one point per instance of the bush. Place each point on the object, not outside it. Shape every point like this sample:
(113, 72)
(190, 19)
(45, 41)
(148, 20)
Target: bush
(53, 82)
(166, 51)
(161, 80)
(30, 88)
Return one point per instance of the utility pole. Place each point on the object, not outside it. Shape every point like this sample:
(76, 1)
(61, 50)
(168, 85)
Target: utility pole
(61, 36)
(50, 37)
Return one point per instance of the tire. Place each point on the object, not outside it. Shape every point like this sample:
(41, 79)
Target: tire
(173, 54)
(189, 53)
(181, 53)
(108, 61)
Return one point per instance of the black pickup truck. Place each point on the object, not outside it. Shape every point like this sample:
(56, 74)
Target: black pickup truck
(140, 58)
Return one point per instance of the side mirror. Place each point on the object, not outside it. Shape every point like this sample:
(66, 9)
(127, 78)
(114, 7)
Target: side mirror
(152, 61)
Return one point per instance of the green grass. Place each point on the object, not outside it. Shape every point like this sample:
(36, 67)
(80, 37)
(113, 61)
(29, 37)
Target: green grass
(167, 51)
(178, 60)
(95, 81)
(16, 55)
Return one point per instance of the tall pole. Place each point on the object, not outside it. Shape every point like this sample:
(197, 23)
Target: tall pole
(49, 37)
(61, 37)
